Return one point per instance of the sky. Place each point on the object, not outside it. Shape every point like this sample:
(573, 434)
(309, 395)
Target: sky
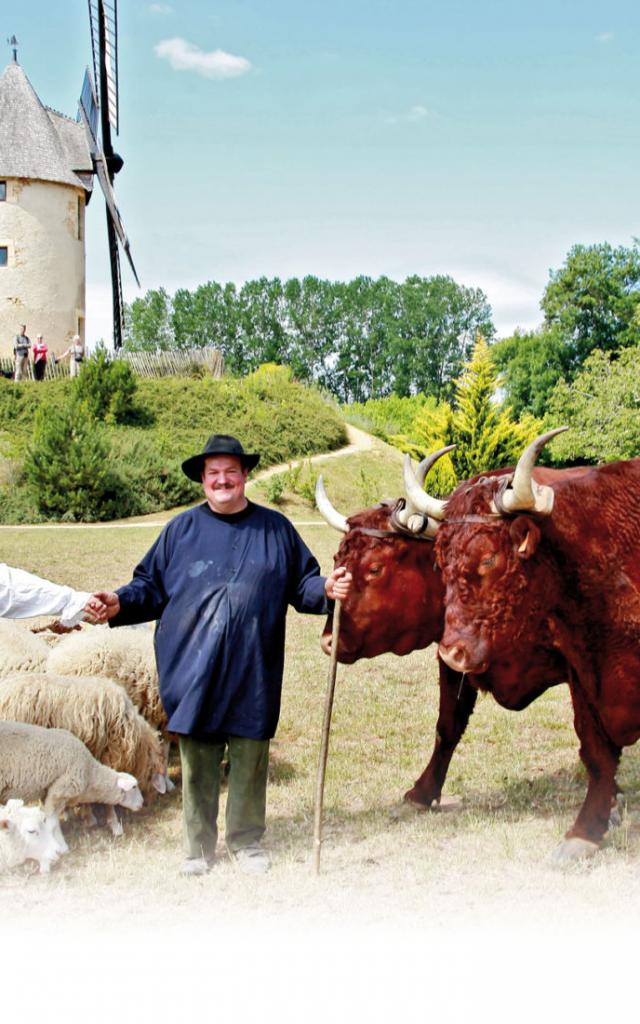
(476, 138)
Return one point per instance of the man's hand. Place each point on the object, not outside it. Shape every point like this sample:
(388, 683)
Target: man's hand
(102, 606)
(338, 584)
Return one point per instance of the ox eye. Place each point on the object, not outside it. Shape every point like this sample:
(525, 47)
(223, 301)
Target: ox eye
(488, 563)
(375, 570)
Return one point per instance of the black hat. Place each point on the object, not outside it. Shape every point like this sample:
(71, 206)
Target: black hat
(218, 444)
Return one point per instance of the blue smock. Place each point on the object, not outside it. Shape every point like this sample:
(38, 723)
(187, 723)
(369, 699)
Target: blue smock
(220, 586)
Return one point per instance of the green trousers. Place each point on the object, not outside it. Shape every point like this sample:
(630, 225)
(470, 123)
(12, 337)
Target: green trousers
(246, 799)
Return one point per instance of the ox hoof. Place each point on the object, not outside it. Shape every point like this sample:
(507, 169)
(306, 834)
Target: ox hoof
(617, 812)
(572, 850)
(406, 810)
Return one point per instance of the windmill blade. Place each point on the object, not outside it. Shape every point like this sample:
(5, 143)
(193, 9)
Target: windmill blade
(113, 214)
(116, 284)
(103, 19)
(88, 112)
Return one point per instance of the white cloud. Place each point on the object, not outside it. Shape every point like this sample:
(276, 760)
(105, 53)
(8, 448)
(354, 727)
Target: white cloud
(411, 116)
(160, 9)
(184, 56)
(605, 37)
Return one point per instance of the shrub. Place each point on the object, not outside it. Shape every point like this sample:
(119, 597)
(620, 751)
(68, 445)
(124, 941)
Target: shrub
(67, 465)
(148, 480)
(107, 387)
(274, 489)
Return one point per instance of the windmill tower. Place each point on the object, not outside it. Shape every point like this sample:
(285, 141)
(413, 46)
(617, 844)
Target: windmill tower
(46, 176)
(47, 166)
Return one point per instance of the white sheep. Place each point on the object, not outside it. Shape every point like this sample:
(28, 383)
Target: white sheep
(98, 712)
(54, 766)
(20, 650)
(29, 833)
(125, 655)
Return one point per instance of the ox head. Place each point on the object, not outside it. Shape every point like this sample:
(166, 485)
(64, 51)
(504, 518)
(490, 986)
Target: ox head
(497, 578)
(396, 599)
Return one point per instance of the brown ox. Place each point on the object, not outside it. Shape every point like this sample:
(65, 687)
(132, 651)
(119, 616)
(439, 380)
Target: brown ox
(550, 561)
(396, 604)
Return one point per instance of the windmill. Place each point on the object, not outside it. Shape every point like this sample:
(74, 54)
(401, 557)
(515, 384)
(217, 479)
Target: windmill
(98, 111)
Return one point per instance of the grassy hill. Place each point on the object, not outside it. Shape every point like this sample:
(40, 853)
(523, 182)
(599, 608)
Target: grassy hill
(171, 419)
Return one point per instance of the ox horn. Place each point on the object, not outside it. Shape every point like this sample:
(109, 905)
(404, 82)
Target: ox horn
(326, 509)
(414, 485)
(525, 495)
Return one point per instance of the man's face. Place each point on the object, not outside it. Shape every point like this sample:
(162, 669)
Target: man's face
(223, 481)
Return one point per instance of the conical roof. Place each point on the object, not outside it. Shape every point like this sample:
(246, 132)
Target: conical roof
(36, 142)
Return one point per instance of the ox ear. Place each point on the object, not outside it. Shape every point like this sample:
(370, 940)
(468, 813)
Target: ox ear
(525, 535)
(5, 823)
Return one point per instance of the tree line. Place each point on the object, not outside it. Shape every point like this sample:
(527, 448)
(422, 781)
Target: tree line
(372, 338)
(361, 339)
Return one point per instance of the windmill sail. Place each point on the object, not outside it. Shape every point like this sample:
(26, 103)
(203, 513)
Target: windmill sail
(103, 19)
(89, 112)
(99, 106)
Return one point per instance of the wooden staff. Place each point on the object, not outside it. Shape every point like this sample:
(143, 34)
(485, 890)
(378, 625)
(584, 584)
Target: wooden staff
(324, 745)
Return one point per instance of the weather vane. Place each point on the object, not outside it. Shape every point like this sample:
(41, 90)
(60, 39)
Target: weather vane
(13, 42)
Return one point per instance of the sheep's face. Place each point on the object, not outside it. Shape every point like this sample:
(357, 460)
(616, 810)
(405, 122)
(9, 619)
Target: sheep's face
(36, 835)
(130, 795)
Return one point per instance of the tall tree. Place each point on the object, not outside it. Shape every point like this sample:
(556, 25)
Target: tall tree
(531, 364)
(435, 330)
(594, 298)
(148, 324)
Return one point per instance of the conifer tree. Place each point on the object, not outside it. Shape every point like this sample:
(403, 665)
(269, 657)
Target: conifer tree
(67, 465)
(485, 435)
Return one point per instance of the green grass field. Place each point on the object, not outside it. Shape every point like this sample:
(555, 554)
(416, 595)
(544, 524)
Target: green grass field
(516, 778)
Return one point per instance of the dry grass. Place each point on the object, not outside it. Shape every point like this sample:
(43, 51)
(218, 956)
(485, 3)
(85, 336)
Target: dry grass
(517, 776)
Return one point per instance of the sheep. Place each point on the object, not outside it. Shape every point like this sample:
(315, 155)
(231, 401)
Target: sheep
(20, 650)
(98, 712)
(53, 765)
(29, 833)
(125, 655)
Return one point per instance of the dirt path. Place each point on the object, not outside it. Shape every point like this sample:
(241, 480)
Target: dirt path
(359, 441)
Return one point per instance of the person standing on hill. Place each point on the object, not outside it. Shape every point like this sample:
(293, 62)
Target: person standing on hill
(219, 579)
(40, 351)
(21, 347)
(76, 355)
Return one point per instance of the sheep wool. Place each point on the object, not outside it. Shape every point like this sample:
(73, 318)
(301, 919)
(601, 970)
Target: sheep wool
(97, 711)
(126, 656)
(20, 650)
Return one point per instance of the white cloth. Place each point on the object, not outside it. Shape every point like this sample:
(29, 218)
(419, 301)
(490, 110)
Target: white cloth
(23, 595)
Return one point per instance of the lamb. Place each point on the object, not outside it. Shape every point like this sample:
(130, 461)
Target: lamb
(20, 650)
(54, 766)
(98, 712)
(125, 655)
(28, 833)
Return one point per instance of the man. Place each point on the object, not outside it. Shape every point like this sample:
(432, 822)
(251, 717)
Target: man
(220, 578)
(23, 595)
(21, 347)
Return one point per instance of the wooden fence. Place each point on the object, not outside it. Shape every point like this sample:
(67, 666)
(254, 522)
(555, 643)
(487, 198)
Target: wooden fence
(144, 364)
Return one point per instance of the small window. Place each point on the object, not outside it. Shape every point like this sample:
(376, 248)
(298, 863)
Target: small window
(80, 209)
(4, 255)
(3, 191)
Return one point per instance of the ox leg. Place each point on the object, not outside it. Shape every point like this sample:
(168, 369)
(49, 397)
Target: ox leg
(457, 701)
(600, 757)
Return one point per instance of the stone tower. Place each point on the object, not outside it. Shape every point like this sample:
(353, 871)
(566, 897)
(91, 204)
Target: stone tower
(46, 177)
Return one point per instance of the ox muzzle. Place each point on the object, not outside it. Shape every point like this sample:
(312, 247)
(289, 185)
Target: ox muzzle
(464, 651)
